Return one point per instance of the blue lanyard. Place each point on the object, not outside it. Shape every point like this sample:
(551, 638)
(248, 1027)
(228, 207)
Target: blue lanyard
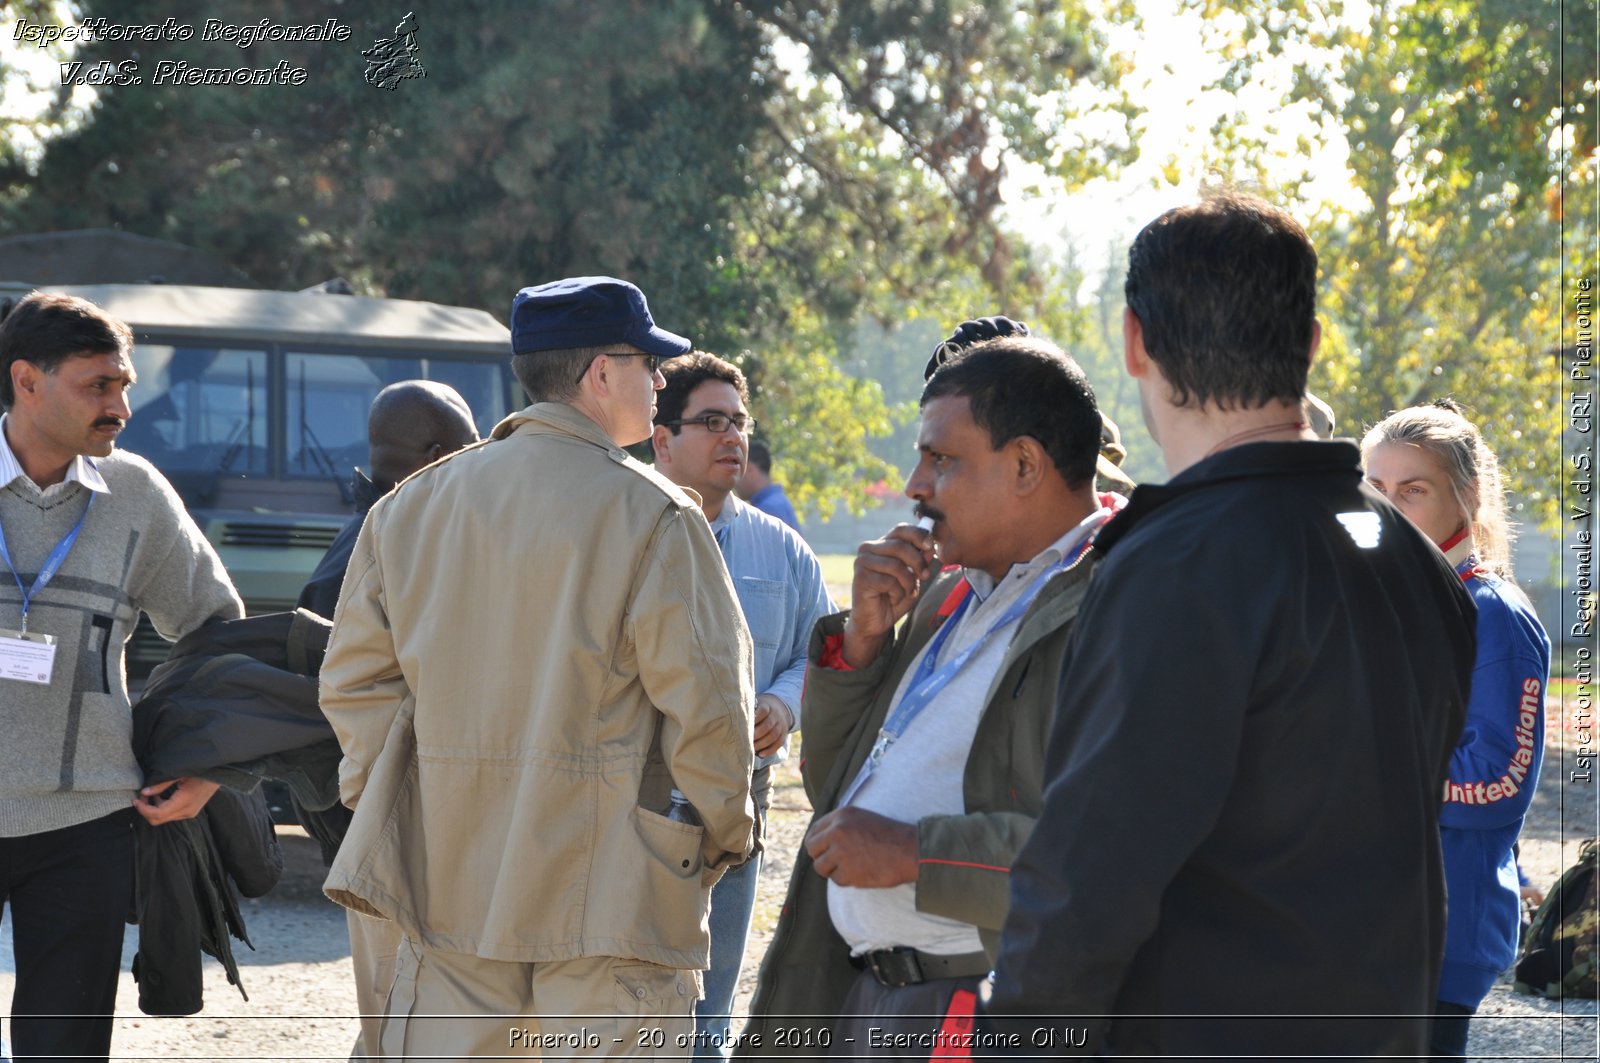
(931, 677)
(52, 564)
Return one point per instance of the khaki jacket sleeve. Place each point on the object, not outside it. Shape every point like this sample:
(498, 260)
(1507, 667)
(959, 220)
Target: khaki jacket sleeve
(695, 662)
(361, 686)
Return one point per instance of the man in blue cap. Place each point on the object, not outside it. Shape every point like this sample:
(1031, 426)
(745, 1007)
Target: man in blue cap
(537, 643)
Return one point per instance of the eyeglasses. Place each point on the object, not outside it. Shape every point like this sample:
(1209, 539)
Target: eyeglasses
(652, 362)
(717, 423)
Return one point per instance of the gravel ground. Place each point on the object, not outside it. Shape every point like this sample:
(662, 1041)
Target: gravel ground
(1564, 812)
(298, 978)
(301, 996)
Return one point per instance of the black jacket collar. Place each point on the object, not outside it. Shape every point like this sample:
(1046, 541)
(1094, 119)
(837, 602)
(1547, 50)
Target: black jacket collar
(1245, 462)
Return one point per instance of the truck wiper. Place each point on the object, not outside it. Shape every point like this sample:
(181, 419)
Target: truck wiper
(322, 459)
(242, 432)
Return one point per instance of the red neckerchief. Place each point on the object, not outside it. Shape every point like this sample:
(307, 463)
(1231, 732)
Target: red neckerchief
(952, 601)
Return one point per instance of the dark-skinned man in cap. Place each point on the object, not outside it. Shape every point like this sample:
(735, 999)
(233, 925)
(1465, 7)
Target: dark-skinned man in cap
(536, 644)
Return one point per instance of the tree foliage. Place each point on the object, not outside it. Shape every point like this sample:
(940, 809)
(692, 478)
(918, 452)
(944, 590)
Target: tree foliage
(1442, 277)
(766, 171)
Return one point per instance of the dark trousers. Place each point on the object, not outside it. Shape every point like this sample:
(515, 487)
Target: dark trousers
(874, 1013)
(1447, 1036)
(70, 891)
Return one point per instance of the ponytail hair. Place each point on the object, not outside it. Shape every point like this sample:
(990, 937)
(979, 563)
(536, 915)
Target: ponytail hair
(1473, 469)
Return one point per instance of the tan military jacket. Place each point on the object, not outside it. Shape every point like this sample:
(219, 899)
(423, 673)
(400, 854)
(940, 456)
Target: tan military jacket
(537, 638)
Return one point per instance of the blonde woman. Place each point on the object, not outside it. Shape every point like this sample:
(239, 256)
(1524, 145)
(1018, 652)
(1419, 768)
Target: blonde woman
(1433, 465)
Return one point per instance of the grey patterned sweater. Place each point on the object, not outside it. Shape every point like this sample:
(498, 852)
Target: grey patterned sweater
(65, 754)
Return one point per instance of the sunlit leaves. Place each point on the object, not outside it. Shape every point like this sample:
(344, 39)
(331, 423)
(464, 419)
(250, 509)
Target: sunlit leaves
(767, 171)
(1439, 277)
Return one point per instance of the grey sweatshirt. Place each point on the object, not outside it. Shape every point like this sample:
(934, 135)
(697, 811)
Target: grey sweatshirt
(65, 754)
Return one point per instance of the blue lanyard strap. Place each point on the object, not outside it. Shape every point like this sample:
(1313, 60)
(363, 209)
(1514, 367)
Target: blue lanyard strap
(52, 564)
(931, 677)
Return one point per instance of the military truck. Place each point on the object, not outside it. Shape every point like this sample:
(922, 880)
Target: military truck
(254, 402)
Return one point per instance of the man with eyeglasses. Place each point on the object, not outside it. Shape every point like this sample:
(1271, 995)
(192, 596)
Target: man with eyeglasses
(537, 643)
(701, 441)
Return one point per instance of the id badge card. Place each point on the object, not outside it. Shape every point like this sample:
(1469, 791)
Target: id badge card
(27, 657)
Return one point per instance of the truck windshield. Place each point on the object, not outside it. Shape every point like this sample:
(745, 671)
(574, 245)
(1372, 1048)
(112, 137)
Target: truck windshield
(222, 412)
(329, 394)
(199, 409)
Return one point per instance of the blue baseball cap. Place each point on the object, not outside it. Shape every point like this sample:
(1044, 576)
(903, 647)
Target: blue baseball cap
(588, 312)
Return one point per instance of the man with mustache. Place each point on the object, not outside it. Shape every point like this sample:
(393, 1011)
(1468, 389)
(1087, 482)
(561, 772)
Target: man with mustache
(923, 746)
(91, 537)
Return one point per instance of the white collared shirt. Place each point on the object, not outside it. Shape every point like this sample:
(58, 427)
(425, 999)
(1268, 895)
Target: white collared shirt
(81, 470)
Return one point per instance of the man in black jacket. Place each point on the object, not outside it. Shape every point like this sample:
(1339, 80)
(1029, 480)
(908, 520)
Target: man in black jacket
(1238, 852)
(411, 425)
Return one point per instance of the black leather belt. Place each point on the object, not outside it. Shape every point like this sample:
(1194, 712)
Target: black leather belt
(907, 966)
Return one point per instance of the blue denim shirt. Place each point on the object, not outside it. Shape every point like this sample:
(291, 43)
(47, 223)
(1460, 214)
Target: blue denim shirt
(779, 584)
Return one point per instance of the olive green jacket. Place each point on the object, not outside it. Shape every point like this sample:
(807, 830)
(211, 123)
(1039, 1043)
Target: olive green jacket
(964, 861)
